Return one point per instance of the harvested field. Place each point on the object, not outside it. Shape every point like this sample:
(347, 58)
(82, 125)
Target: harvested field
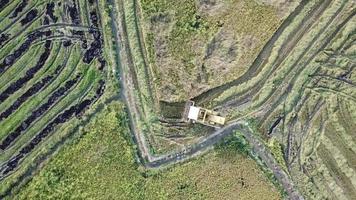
(284, 70)
(193, 46)
(295, 83)
(53, 74)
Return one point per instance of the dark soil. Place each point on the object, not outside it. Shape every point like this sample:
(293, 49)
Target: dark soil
(102, 63)
(74, 111)
(34, 89)
(73, 13)
(3, 38)
(19, 8)
(95, 49)
(274, 125)
(38, 113)
(84, 44)
(94, 18)
(29, 17)
(17, 85)
(10, 59)
(79, 33)
(170, 110)
(50, 11)
(100, 89)
(67, 43)
(3, 3)
(45, 20)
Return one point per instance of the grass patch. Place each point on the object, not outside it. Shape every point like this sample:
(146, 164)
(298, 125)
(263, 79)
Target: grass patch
(101, 165)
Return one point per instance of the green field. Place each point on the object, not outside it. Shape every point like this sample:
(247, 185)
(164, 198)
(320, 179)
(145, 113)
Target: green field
(75, 75)
(86, 168)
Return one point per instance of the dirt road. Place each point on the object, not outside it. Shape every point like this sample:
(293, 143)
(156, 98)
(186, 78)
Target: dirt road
(150, 160)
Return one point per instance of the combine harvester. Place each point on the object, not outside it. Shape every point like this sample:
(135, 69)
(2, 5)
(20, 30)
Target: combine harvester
(203, 116)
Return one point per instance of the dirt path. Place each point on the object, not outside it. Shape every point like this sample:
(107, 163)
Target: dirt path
(157, 161)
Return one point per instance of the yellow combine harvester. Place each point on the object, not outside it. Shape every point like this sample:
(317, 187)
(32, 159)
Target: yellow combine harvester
(204, 116)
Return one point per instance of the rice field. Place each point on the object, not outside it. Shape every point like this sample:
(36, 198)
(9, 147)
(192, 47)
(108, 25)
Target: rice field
(298, 92)
(290, 75)
(54, 71)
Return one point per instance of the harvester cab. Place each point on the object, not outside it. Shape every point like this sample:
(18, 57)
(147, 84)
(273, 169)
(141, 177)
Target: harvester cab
(204, 116)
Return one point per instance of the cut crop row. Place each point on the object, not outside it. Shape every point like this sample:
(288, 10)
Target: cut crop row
(335, 172)
(52, 98)
(29, 74)
(303, 63)
(18, 68)
(73, 111)
(11, 59)
(33, 90)
(38, 112)
(35, 102)
(26, 18)
(19, 8)
(77, 93)
(285, 38)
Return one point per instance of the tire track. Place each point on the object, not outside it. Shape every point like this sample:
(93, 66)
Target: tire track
(262, 58)
(308, 61)
(153, 161)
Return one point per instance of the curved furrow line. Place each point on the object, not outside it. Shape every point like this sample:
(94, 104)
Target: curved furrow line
(9, 60)
(36, 101)
(23, 28)
(74, 111)
(262, 58)
(27, 72)
(36, 114)
(19, 8)
(66, 100)
(296, 66)
(4, 4)
(283, 53)
(312, 117)
(290, 123)
(22, 17)
(63, 38)
(277, 100)
(34, 89)
(30, 73)
(246, 95)
(7, 9)
(18, 68)
(334, 91)
(66, 25)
